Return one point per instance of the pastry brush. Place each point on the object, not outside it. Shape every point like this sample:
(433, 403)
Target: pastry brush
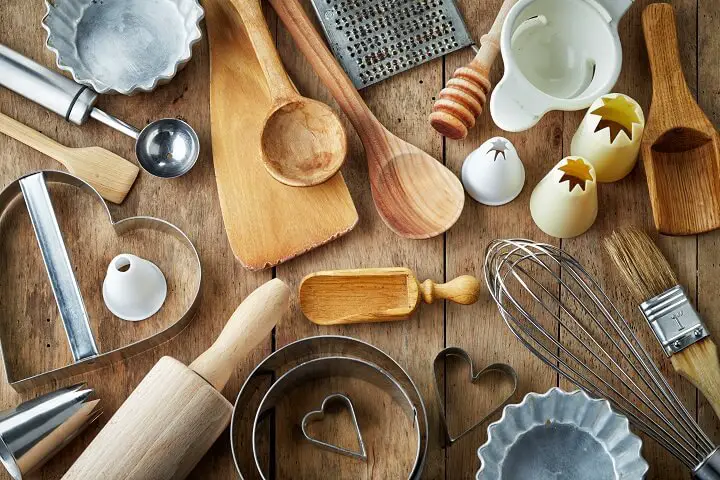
(667, 308)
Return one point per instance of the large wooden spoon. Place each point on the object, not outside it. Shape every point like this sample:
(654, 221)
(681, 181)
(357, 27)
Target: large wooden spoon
(415, 195)
(111, 175)
(680, 148)
(303, 141)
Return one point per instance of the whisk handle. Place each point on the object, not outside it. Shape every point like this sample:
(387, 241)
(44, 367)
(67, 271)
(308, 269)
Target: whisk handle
(709, 469)
(699, 364)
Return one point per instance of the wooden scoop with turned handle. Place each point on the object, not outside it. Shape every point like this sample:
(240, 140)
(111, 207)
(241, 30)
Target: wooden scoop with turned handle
(415, 195)
(680, 146)
(464, 97)
(111, 175)
(176, 413)
(303, 141)
(339, 297)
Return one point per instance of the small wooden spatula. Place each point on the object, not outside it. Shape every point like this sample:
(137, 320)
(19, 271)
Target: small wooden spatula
(339, 297)
(111, 175)
(681, 148)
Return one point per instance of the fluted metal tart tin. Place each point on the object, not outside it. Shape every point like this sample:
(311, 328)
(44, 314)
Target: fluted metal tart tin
(122, 46)
(561, 435)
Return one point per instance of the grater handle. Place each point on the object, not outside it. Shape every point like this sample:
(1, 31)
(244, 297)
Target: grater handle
(464, 97)
(278, 82)
(332, 75)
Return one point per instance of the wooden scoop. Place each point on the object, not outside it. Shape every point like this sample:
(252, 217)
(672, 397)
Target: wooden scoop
(339, 297)
(111, 175)
(303, 141)
(680, 148)
(415, 195)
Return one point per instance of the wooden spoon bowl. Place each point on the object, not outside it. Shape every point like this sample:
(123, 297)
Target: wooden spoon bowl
(303, 142)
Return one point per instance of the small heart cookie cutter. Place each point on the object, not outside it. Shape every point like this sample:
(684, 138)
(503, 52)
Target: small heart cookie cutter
(438, 366)
(86, 357)
(318, 415)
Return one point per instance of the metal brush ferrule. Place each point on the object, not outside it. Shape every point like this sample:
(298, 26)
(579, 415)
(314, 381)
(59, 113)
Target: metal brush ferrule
(674, 321)
(709, 469)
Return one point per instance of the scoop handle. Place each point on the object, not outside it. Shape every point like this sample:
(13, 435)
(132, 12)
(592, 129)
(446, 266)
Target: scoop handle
(251, 322)
(464, 290)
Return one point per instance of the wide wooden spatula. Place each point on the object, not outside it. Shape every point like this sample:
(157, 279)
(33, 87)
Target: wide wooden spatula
(681, 148)
(176, 413)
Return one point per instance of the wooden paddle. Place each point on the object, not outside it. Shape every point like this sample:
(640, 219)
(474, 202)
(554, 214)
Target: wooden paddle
(680, 149)
(111, 175)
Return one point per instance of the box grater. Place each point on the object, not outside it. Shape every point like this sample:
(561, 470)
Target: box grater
(376, 39)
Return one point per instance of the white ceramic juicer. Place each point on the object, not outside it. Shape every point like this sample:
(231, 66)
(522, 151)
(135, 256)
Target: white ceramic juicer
(558, 55)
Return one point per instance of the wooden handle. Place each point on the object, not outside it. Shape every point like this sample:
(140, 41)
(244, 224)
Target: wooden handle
(332, 75)
(32, 138)
(464, 290)
(252, 17)
(252, 322)
(669, 85)
(465, 94)
(699, 364)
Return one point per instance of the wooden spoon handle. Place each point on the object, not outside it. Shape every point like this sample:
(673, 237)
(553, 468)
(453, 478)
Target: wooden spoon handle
(465, 95)
(332, 75)
(699, 364)
(252, 17)
(32, 138)
(669, 85)
(252, 322)
(464, 290)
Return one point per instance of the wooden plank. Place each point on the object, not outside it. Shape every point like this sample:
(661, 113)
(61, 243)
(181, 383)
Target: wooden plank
(399, 103)
(189, 202)
(708, 268)
(626, 203)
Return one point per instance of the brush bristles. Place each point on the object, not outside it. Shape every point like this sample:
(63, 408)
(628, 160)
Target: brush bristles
(642, 265)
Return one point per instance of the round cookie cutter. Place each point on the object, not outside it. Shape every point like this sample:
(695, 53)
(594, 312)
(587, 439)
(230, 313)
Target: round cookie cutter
(312, 358)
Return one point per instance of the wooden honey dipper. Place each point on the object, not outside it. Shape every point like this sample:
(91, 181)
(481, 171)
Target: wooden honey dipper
(464, 96)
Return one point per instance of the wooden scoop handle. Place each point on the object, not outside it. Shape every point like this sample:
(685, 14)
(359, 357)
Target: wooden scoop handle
(464, 290)
(252, 322)
(464, 97)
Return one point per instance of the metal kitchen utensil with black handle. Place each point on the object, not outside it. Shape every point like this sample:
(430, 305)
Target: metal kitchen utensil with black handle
(165, 148)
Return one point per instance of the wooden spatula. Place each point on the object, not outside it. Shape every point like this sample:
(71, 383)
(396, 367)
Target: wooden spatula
(338, 297)
(111, 175)
(680, 148)
(415, 195)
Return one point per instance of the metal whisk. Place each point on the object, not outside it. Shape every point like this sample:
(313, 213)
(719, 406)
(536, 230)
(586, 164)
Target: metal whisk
(561, 314)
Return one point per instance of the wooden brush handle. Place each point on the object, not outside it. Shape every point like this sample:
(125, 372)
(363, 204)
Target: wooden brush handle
(332, 75)
(464, 97)
(699, 364)
(252, 322)
(464, 290)
(669, 86)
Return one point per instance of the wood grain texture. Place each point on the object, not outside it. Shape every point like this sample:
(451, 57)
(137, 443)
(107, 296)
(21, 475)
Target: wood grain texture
(267, 222)
(402, 103)
(466, 93)
(111, 175)
(369, 295)
(680, 148)
(415, 195)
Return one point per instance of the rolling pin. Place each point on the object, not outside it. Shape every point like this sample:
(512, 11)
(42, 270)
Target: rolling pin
(176, 413)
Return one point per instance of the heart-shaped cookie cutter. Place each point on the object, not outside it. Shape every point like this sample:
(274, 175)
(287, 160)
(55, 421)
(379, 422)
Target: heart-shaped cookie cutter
(86, 357)
(438, 367)
(319, 415)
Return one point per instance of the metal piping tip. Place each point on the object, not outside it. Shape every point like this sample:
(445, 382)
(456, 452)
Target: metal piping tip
(35, 430)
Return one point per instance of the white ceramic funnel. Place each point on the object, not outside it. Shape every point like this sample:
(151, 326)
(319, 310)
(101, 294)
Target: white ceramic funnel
(493, 174)
(565, 204)
(134, 288)
(609, 136)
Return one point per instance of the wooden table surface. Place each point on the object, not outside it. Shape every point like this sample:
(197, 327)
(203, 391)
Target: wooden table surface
(402, 103)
